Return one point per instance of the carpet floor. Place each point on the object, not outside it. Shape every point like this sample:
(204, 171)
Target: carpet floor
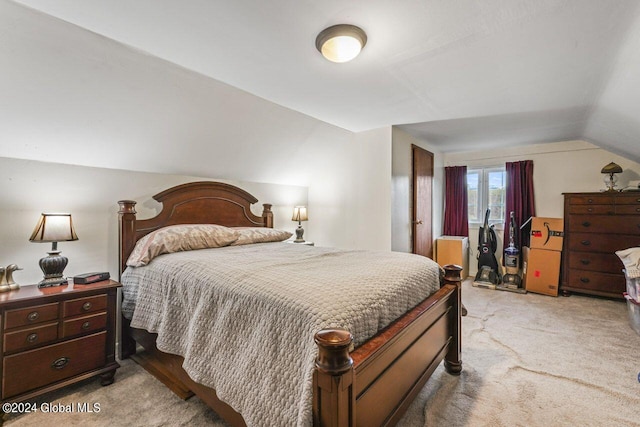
(528, 360)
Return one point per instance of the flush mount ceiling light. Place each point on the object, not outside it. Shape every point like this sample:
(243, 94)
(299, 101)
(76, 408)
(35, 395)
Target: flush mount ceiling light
(341, 43)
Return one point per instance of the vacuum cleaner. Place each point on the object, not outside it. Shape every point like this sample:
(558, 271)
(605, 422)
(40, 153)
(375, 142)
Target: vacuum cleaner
(512, 281)
(488, 275)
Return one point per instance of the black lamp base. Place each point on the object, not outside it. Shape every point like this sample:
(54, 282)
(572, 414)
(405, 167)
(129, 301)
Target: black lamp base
(53, 266)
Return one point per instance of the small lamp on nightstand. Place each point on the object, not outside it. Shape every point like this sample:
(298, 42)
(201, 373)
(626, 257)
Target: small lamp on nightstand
(53, 228)
(299, 214)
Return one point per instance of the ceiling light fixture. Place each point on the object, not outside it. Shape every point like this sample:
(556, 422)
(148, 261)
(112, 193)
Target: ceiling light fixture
(341, 43)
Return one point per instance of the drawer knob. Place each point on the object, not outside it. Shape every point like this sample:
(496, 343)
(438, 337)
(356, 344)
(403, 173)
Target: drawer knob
(585, 262)
(60, 363)
(586, 224)
(31, 338)
(33, 316)
(586, 242)
(584, 279)
(87, 306)
(589, 200)
(589, 209)
(85, 325)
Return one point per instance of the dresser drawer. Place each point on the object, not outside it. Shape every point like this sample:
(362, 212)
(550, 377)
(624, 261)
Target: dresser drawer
(592, 209)
(85, 305)
(628, 209)
(619, 224)
(592, 199)
(599, 282)
(30, 315)
(84, 324)
(628, 200)
(37, 368)
(606, 263)
(608, 243)
(30, 337)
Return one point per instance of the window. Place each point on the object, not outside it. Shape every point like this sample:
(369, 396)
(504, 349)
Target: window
(486, 190)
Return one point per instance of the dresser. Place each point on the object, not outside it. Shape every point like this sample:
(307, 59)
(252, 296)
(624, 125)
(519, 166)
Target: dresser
(55, 336)
(596, 226)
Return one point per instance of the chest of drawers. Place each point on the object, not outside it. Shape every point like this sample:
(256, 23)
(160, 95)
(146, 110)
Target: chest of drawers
(596, 226)
(52, 337)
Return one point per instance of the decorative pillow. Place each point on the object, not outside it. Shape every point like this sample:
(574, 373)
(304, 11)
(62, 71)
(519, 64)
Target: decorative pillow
(249, 235)
(176, 238)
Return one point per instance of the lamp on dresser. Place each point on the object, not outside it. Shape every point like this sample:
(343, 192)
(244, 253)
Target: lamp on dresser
(53, 228)
(611, 169)
(299, 214)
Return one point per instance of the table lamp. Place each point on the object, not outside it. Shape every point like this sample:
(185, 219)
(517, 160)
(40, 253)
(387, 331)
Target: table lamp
(299, 214)
(53, 228)
(611, 169)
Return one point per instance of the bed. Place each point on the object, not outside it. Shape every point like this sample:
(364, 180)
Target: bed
(371, 384)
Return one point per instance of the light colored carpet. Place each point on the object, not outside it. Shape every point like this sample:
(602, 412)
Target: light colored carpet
(528, 360)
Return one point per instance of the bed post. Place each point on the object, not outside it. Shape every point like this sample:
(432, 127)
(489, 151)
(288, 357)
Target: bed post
(452, 360)
(127, 234)
(333, 380)
(267, 215)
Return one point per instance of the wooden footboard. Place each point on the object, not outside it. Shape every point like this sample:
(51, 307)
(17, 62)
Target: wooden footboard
(375, 384)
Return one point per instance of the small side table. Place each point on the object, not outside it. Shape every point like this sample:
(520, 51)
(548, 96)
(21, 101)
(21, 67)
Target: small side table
(56, 336)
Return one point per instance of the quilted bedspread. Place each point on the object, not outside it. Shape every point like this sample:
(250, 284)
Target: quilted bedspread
(243, 317)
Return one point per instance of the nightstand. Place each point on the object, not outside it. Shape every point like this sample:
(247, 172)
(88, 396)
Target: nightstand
(301, 243)
(56, 336)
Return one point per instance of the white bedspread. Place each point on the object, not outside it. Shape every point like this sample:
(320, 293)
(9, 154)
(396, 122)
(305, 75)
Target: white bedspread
(243, 317)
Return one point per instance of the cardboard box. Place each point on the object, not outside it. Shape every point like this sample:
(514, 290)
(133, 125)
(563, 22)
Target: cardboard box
(541, 271)
(543, 233)
(453, 250)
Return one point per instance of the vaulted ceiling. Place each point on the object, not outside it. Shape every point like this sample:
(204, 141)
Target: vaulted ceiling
(461, 74)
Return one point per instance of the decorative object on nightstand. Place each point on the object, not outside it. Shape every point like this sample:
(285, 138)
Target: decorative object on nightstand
(6, 278)
(611, 169)
(299, 214)
(53, 228)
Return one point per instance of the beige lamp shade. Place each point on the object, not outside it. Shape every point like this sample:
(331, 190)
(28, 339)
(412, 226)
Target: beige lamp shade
(54, 227)
(300, 214)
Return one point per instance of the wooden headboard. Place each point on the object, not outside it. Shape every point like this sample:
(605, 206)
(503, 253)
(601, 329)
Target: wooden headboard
(202, 202)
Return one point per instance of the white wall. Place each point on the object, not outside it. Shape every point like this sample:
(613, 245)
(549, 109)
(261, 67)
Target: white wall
(402, 199)
(570, 166)
(373, 188)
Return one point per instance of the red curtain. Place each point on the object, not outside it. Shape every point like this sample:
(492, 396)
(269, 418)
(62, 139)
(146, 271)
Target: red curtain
(456, 218)
(520, 197)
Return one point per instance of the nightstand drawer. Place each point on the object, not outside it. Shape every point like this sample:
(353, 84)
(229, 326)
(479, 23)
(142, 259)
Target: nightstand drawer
(84, 305)
(37, 368)
(31, 337)
(30, 315)
(84, 325)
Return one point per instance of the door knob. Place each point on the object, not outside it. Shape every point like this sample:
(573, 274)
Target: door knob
(419, 222)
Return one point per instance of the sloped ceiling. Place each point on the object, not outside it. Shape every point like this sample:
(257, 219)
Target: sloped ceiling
(461, 74)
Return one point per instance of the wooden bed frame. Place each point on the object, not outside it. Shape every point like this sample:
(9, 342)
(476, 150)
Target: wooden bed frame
(373, 385)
